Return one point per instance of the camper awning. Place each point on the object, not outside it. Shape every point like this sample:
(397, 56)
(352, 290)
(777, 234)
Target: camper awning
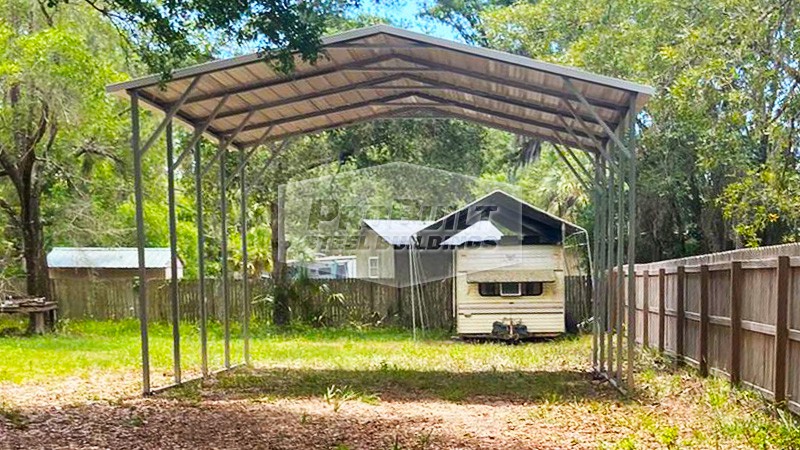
(512, 276)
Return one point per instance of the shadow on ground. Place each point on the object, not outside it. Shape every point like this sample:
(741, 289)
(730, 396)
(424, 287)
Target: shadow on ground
(397, 384)
(388, 408)
(296, 424)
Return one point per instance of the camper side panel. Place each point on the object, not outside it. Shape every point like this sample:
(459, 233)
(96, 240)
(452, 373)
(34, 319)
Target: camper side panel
(542, 314)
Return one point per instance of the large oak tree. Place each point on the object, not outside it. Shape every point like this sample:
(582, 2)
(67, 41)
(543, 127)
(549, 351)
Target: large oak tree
(54, 118)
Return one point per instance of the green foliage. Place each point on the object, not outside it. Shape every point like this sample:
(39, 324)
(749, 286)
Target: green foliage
(60, 134)
(764, 202)
(337, 396)
(465, 16)
(166, 34)
(452, 145)
(718, 156)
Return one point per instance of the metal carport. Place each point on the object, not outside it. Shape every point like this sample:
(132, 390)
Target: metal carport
(381, 72)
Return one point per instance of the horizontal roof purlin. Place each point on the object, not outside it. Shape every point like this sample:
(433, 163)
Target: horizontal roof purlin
(368, 73)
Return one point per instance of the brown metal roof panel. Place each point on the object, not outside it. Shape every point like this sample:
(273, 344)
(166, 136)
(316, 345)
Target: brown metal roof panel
(417, 37)
(253, 84)
(261, 70)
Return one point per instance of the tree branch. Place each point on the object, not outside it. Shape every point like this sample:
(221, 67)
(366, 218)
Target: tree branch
(13, 215)
(47, 17)
(90, 149)
(11, 170)
(38, 135)
(52, 136)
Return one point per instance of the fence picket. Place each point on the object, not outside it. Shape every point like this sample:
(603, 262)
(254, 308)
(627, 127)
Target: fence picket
(662, 317)
(704, 320)
(781, 328)
(736, 321)
(681, 313)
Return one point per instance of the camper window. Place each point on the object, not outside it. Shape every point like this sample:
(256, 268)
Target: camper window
(529, 288)
(488, 289)
(532, 288)
(374, 269)
(510, 289)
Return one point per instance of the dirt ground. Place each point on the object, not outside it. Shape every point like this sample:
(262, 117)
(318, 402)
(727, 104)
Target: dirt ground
(250, 409)
(382, 391)
(105, 412)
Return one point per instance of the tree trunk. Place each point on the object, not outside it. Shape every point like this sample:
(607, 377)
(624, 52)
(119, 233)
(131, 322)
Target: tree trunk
(281, 314)
(36, 271)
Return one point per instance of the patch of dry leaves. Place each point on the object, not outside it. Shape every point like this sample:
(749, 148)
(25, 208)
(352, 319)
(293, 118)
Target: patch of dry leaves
(105, 412)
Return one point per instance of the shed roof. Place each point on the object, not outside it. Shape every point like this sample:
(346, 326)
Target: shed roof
(384, 72)
(107, 258)
(396, 232)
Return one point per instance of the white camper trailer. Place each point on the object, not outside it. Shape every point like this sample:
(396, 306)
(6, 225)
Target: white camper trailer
(505, 258)
(517, 286)
(508, 267)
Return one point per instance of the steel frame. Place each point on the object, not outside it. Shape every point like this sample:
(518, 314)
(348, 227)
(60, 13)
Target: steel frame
(611, 181)
(165, 127)
(614, 197)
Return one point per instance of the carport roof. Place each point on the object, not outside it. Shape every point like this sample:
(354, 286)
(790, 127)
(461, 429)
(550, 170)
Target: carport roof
(383, 72)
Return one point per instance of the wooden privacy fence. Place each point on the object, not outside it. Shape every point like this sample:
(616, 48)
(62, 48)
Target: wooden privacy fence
(736, 317)
(578, 301)
(118, 299)
(361, 301)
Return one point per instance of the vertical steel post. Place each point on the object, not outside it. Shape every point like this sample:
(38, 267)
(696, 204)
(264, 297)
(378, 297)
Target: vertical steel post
(245, 280)
(620, 280)
(201, 264)
(173, 250)
(413, 302)
(596, 266)
(140, 240)
(610, 288)
(632, 239)
(226, 307)
(602, 244)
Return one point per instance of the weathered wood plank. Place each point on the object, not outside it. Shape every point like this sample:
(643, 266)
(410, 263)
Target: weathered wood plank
(736, 321)
(681, 312)
(646, 309)
(662, 318)
(781, 328)
(704, 278)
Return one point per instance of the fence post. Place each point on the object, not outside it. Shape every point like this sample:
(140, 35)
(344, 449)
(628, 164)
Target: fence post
(398, 302)
(371, 298)
(662, 318)
(736, 320)
(781, 328)
(704, 275)
(681, 313)
(645, 309)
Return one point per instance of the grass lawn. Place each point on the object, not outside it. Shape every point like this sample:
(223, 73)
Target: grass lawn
(347, 389)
